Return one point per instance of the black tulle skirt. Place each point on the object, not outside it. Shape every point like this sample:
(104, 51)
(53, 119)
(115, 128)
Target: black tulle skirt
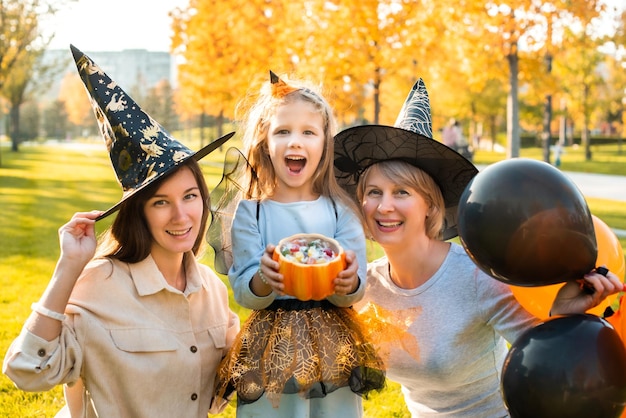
(311, 348)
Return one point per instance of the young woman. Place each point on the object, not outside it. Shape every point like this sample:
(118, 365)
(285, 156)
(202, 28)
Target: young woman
(446, 323)
(134, 321)
(295, 358)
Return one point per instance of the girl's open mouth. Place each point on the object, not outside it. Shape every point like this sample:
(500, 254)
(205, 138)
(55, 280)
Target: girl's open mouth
(295, 164)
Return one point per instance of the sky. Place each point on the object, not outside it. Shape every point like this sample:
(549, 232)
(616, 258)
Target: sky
(113, 25)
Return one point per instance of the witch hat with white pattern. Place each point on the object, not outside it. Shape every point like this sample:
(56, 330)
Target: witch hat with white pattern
(409, 140)
(141, 150)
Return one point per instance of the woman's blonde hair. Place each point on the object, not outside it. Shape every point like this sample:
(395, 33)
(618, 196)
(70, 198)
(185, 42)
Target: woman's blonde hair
(408, 175)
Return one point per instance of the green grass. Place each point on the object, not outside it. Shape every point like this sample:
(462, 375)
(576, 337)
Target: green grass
(42, 186)
(606, 159)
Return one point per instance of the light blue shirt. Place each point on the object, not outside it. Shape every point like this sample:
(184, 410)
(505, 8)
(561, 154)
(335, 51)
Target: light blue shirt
(278, 220)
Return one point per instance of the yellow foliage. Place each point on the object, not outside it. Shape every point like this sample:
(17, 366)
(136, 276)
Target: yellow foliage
(368, 53)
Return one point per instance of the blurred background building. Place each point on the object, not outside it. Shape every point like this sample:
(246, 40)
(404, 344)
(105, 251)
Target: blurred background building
(136, 70)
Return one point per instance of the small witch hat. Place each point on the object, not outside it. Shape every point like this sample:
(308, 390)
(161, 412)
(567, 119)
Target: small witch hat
(279, 87)
(141, 150)
(410, 140)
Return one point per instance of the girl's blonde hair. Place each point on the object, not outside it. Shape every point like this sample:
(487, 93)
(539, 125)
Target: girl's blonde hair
(262, 178)
(408, 175)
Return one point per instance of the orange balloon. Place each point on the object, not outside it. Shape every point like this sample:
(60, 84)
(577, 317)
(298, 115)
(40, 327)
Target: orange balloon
(610, 253)
(538, 300)
(618, 320)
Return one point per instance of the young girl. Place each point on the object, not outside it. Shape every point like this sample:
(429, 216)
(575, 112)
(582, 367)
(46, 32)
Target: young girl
(295, 358)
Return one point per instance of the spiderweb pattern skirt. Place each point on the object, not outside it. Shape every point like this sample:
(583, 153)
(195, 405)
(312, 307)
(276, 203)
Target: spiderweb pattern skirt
(311, 348)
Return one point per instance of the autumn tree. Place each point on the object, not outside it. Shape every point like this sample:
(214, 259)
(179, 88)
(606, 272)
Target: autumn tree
(615, 88)
(79, 111)
(19, 29)
(14, 89)
(470, 79)
(159, 103)
(613, 95)
(581, 78)
(29, 75)
(516, 28)
(350, 48)
(368, 54)
(20, 37)
(369, 48)
(55, 120)
(226, 53)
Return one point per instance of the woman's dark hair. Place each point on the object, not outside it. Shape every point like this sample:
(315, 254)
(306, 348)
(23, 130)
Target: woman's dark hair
(129, 239)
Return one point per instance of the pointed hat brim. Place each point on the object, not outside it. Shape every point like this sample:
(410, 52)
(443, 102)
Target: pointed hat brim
(203, 152)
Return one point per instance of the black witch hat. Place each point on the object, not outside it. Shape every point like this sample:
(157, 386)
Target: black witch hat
(410, 140)
(141, 150)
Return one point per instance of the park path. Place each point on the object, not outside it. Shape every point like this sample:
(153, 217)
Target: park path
(603, 186)
(599, 186)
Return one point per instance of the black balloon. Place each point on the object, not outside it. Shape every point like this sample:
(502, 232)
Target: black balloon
(525, 223)
(570, 366)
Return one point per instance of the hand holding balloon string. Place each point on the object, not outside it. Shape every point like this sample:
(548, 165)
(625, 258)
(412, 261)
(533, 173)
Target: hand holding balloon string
(588, 287)
(541, 241)
(578, 296)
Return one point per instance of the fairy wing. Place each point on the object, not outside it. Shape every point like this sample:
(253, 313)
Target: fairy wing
(224, 200)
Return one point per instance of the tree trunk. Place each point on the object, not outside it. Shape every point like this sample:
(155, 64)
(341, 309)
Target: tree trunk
(546, 136)
(15, 127)
(586, 141)
(563, 124)
(512, 106)
(547, 117)
(202, 127)
(376, 96)
(622, 131)
(220, 126)
(494, 131)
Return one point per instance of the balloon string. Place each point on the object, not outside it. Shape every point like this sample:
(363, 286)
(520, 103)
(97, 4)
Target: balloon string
(604, 271)
(588, 288)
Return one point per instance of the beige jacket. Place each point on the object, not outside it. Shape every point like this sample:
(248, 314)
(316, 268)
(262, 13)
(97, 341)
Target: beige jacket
(142, 348)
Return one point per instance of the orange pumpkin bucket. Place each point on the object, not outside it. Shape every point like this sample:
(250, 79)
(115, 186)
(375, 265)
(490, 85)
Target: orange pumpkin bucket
(309, 264)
